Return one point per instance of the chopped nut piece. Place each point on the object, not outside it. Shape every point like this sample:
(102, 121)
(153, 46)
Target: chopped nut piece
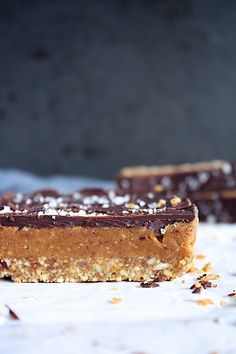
(182, 261)
(175, 201)
(205, 302)
(200, 256)
(158, 188)
(197, 285)
(167, 273)
(223, 303)
(131, 206)
(207, 277)
(194, 270)
(161, 203)
(207, 267)
(116, 300)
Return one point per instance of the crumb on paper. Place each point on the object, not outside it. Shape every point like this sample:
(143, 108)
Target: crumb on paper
(95, 343)
(114, 289)
(200, 256)
(29, 296)
(205, 302)
(207, 284)
(12, 314)
(223, 303)
(201, 285)
(207, 277)
(67, 329)
(149, 284)
(207, 267)
(233, 294)
(197, 290)
(194, 270)
(116, 300)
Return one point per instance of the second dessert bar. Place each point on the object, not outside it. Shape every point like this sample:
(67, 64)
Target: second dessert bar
(211, 185)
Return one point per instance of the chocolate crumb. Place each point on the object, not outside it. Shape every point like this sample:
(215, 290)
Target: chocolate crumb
(142, 238)
(3, 264)
(202, 284)
(149, 284)
(12, 314)
(95, 343)
(197, 291)
(201, 276)
(233, 294)
(207, 284)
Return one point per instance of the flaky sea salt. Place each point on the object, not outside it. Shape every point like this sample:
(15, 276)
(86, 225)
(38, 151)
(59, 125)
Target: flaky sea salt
(6, 210)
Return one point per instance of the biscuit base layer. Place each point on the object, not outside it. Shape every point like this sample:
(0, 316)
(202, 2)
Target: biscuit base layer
(92, 269)
(96, 254)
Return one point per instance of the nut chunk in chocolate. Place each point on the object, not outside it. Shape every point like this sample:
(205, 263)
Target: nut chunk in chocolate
(95, 235)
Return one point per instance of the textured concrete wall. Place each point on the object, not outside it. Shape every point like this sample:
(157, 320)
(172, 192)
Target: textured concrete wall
(88, 86)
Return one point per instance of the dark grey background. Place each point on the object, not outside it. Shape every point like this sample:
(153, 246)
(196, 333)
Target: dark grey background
(89, 86)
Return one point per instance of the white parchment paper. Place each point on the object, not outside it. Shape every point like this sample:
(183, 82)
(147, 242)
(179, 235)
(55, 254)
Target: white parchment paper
(80, 318)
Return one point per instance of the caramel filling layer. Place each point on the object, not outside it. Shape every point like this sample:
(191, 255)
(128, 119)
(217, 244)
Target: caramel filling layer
(75, 242)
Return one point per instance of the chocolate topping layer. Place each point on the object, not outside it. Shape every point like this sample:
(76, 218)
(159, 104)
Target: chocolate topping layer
(92, 208)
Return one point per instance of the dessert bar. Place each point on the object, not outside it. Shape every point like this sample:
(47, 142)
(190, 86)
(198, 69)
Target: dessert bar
(210, 185)
(218, 206)
(184, 179)
(95, 235)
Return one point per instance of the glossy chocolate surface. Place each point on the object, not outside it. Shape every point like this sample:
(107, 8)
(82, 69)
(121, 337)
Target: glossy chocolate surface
(92, 208)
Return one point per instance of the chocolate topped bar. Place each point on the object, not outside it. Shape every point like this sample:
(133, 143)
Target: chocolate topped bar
(95, 235)
(181, 179)
(210, 185)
